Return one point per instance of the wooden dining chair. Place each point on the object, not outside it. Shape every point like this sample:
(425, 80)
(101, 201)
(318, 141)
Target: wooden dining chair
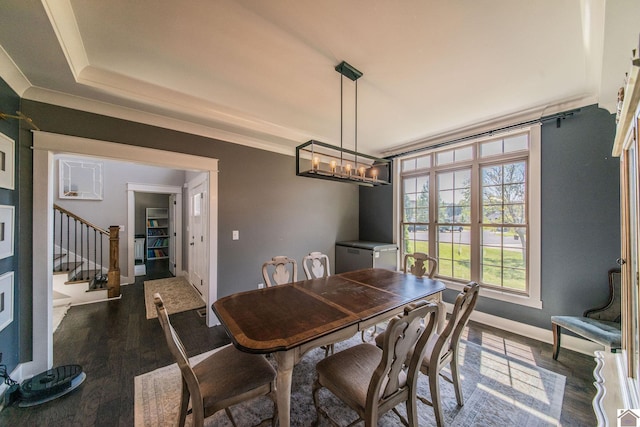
(415, 264)
(284, 270)
(316, 265)
(373, 381)
(225, 378)
(442, 350)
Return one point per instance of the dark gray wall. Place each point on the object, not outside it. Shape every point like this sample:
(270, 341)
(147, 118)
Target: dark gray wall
(376, 219)
(580, 218)
(15, 346)
(276, 212)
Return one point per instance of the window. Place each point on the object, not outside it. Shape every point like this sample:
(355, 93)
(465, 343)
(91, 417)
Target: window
(475, 208)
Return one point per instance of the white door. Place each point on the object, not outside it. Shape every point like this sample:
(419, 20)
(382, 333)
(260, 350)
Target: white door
(172, 233)
(198, 218)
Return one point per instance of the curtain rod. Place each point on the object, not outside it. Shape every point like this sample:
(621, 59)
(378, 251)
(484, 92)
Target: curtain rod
(558, 117)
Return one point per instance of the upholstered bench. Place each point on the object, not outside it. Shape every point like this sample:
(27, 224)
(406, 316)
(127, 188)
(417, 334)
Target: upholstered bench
(600, 325)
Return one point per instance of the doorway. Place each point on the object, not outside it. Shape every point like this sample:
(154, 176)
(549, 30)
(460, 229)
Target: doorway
(46, 145)
(198, 214)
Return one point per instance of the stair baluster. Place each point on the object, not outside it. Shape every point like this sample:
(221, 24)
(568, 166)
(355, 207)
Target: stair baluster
(87, 259)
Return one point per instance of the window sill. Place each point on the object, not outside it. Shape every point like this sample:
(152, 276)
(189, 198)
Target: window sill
(527, 301)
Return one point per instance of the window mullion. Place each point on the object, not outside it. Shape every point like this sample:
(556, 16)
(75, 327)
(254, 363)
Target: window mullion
(476, 222)
(433, 213)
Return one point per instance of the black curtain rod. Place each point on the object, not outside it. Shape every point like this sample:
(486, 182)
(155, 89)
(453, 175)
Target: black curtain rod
(557, 117)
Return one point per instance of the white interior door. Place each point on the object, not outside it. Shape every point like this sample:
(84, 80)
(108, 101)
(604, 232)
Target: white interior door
(198, 219)
(172, 233)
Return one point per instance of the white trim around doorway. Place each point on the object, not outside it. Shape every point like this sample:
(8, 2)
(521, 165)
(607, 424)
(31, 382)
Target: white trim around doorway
(45, 146)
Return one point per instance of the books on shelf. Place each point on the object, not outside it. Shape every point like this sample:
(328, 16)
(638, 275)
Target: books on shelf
(159, 242)
(156, 253)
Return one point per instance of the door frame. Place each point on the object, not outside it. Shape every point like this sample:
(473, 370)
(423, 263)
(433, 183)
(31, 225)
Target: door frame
(45, 146)
(131, 221)
(191, 184)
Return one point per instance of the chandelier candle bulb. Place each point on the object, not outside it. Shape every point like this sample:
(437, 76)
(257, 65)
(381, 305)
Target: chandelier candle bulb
(361, 171)
(374, 174)
(347, 169)
(316, 163)
(333, 164)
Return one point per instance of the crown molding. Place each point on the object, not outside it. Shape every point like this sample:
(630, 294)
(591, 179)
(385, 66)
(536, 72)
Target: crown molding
(11, 74)
(280, 146)
(534, 113)
(63, 21)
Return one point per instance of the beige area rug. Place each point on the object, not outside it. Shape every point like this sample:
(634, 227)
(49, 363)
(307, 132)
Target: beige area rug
(176, 292)
(499, 390)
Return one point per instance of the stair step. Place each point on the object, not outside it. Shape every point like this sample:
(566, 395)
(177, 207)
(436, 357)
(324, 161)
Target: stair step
(83, 276)
(66, 267)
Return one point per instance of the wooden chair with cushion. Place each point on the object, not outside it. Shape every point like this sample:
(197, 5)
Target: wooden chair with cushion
(442, 349)
(373, 381)
(316, 265)
(601, 324)
(225, 378)
(415, 264)
(285, 270)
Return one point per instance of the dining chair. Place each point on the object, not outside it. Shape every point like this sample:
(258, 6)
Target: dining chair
(225, 378)
(316, 265)
(372, 380)
(418, 269)
(285, 270)
(442, 350)
(415, 264)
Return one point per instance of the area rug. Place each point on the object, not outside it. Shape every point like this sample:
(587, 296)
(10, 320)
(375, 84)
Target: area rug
(176, 292)
(498, 390)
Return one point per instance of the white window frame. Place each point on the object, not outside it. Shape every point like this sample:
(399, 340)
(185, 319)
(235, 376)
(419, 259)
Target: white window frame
(534, 297)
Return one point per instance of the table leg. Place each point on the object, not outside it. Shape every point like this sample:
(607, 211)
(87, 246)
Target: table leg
(285, 361)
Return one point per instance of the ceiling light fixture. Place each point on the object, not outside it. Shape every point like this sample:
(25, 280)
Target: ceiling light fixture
(316, 159)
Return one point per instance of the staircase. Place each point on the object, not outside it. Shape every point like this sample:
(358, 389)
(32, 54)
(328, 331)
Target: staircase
(85, 260)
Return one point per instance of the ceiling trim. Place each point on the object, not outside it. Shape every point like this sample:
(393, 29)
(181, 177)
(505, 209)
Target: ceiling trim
(158, 96)
(63, 21)
(501, 122)
(12, 74)
(83, 104)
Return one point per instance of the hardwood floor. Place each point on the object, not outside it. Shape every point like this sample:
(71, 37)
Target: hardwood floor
(114, 342)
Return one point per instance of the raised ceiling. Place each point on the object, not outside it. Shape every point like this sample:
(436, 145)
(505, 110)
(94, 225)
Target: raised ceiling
(261, 73)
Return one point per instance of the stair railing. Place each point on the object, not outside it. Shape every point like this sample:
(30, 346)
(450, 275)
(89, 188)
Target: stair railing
(85, 244)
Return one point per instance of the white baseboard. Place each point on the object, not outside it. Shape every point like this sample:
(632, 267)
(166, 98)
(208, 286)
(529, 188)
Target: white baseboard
(569, 342)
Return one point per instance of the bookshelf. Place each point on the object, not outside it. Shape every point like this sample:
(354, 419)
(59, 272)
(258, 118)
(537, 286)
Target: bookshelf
(157, 233)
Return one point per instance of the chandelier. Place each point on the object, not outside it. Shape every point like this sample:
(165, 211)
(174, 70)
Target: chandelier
(316, 159)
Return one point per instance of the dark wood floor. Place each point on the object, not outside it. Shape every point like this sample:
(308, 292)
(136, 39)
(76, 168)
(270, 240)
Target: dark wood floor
(114, 342)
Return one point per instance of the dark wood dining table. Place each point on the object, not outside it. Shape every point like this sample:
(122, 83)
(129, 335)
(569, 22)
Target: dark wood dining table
(289, 320)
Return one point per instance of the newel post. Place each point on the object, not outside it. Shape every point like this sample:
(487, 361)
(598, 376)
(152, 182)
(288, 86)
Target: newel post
(113, 283)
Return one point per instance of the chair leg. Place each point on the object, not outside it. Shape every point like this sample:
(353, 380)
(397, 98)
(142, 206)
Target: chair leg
(316, 387)
(555, 328)
(184, 404)
(412, 412)
(455, 378)
(434, 388)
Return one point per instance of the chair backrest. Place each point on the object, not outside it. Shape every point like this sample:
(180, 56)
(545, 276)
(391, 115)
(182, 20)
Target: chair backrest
(177, 350)
(404, 335)
(281, 273)
(449, 338)
(316, 265)
(418, 268)
(612, 310)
